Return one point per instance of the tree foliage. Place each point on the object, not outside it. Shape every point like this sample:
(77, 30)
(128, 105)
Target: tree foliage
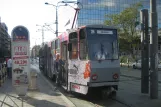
(126, 22)
(35, 50)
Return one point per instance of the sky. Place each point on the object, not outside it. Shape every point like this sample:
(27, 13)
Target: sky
(31, 12)
(28, 13)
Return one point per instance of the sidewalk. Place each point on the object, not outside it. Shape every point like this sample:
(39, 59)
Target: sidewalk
(45, 96)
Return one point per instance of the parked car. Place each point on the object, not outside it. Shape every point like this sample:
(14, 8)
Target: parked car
(138, 65)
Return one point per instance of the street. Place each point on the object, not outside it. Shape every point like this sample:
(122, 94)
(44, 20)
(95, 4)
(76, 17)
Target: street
(128, 95)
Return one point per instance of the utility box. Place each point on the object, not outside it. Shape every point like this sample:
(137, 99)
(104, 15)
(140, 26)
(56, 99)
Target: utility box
(33, 79)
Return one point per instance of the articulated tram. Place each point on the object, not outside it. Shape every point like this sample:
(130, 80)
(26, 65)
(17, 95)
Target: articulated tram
(91, 58)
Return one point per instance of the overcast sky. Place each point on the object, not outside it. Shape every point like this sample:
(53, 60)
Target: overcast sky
(29, 13)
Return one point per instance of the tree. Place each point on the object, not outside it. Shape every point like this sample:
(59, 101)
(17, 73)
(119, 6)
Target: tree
(126, 22)
(35, 51)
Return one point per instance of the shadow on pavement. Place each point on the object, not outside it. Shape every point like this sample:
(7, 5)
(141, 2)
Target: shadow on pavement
(7, 86)
(41, 103)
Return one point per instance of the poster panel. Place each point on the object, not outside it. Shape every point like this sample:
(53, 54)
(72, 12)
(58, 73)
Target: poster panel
(20, 61)
(20, 56)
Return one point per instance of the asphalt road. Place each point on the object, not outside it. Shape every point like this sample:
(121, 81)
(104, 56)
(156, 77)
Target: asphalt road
(128, 86)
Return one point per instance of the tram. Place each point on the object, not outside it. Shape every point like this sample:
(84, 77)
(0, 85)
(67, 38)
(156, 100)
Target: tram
(91, 58)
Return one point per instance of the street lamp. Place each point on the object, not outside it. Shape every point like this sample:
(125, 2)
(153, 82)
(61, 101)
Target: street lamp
(56, 6)
(56, 21)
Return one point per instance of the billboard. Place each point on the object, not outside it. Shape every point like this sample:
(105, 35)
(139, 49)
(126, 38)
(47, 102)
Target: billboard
(20, 57)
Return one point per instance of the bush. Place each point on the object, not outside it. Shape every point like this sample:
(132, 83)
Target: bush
(123, 59)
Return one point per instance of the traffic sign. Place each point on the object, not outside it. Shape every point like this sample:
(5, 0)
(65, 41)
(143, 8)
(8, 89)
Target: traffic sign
(20, 33)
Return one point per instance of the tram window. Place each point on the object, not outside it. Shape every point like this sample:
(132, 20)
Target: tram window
(73, 35)
(83, 45)
(73, 39)
(64, 51)
(53, 45)
(56, 44)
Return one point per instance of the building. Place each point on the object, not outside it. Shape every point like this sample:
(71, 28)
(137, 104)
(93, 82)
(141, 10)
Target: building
(94, 11)
(5, 41)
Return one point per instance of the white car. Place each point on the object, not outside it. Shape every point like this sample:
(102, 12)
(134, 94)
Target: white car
(138, 65)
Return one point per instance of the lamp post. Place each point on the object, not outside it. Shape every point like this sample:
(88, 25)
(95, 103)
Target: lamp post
(154, 50)
(56, 6)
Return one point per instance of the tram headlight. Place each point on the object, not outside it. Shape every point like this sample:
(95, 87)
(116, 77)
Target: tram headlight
(115, 76)
(94, 77)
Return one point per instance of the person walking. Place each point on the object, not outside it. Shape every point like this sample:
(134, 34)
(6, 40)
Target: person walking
(58, 68)
(9, 68)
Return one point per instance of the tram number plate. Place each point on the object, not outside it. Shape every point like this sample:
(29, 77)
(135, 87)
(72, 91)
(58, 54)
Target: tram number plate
(75, 86)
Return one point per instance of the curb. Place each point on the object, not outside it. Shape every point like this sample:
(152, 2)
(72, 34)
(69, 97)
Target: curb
(71, 104)
(135, 77)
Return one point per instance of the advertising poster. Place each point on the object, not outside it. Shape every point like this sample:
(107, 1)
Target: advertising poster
(20, 62)
(20, 56)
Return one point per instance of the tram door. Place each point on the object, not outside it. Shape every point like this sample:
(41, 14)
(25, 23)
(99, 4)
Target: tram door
(64, 54)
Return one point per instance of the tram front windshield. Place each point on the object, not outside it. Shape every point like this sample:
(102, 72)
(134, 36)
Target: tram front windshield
(102, 43)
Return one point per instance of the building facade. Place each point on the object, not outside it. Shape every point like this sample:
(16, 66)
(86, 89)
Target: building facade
(5, 41)
(94, 11)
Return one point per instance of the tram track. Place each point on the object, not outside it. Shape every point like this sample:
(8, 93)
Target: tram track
(89, 101)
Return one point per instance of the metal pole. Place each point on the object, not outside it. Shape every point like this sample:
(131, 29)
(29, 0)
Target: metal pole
(154, 50)
(56, 21)
(42, 35)
(144, 51)
(35, 49)
(76, 11)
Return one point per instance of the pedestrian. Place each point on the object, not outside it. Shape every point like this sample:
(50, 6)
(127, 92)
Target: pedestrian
(9, 68)
(58, 68)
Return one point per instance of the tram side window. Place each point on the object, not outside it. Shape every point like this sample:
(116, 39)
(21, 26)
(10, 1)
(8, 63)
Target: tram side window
(64, 51)
(74, 41)
(83, 45)
(53, 45)
(57, 45)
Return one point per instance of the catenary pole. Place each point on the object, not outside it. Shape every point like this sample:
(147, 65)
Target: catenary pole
(154, 50)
